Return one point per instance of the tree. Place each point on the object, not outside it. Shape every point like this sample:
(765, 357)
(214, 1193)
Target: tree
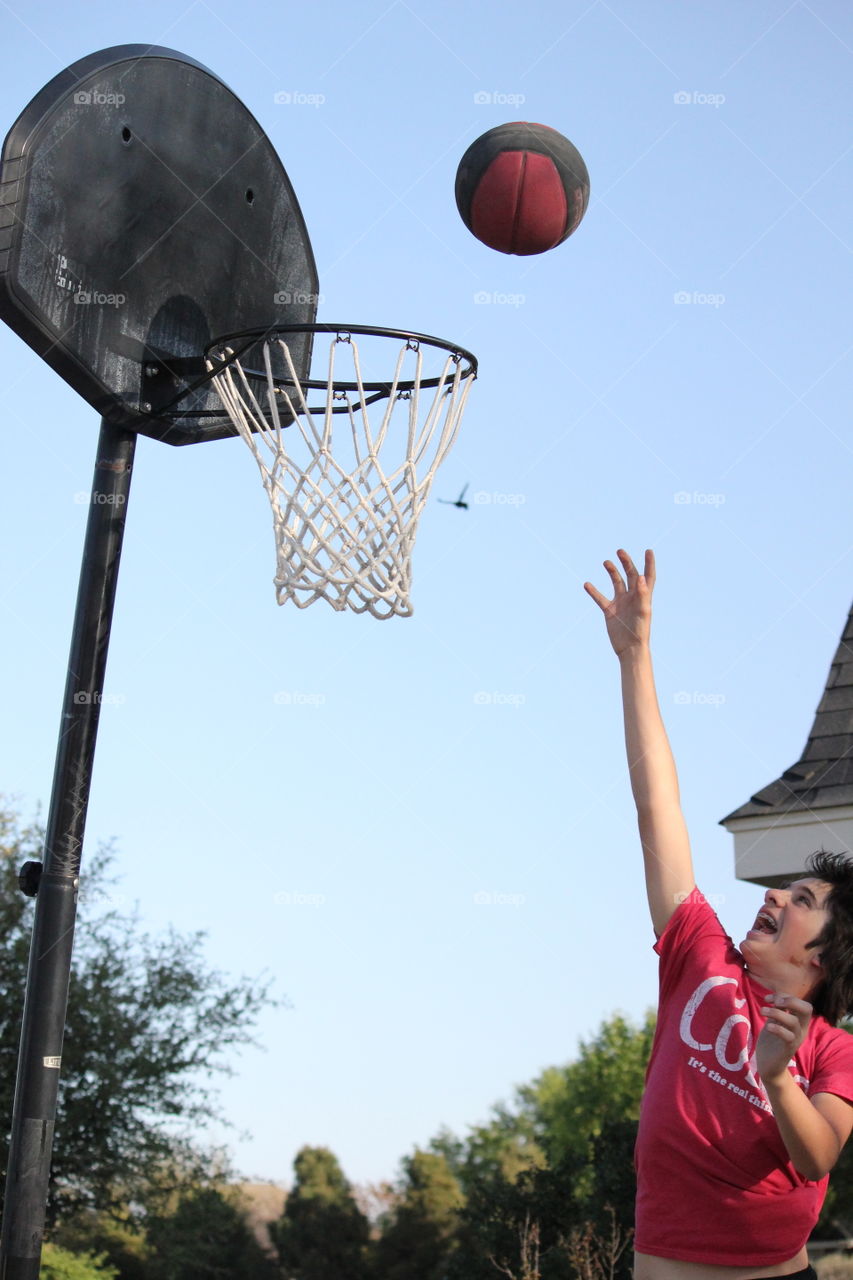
(530, 1254)
(111, 1236)
(569, 1106)
(322, 1234)
(587, 1113)
(608, 1205)
(600, 1255)
(420, 1232)
(555, 1167)
(516, 1226)
(147, 1021)
(62, 1264)
(506, 1146)
(561, 1114)
(206, 1237)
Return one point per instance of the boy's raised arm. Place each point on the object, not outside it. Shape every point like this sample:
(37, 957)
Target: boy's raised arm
(654, 782)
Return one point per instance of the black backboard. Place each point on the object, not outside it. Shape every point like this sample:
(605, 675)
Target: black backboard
(144, 212)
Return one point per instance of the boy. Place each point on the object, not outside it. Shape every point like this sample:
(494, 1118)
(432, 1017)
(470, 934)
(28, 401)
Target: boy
(749, 1090)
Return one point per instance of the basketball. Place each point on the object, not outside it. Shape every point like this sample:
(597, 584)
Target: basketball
(522, 188)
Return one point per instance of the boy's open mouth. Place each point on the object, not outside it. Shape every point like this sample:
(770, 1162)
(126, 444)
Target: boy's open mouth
(764, 923)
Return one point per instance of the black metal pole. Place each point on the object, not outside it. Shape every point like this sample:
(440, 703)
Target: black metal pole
(34, 1110)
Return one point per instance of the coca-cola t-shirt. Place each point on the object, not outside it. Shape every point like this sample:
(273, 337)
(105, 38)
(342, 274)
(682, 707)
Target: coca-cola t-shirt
(714, 1180)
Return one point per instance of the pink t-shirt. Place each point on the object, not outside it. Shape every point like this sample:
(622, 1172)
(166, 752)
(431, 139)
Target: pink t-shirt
(714, 1181)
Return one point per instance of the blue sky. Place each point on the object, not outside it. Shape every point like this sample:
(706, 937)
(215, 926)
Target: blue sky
(447, 886)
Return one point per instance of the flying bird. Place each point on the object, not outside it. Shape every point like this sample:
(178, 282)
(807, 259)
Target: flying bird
(463, 506)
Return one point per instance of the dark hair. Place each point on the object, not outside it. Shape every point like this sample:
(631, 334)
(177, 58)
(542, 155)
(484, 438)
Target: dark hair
(833, 996)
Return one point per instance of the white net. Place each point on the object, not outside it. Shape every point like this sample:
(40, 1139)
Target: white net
(345, 522)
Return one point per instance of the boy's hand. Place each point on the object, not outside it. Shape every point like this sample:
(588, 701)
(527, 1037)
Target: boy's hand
(629, 614)
(782, 1034)
(813, 1128)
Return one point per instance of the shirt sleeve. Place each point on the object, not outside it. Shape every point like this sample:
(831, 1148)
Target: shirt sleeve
(693, 919)
(692, 938)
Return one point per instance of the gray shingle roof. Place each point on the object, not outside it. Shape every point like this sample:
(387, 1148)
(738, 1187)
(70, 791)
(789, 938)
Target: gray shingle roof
(823, 776)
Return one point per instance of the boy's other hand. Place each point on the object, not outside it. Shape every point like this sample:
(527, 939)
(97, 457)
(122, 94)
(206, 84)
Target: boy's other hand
(782, 1034)
(629, 614)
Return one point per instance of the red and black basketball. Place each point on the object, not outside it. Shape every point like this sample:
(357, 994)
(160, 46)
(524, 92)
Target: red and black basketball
(522, 188)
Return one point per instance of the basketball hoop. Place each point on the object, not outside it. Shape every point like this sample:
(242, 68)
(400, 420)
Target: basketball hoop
(344, 521)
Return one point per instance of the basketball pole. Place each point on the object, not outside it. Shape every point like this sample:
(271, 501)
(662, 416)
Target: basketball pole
(55, 881)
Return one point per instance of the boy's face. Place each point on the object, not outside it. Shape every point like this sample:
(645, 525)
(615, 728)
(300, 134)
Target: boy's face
(776, 947)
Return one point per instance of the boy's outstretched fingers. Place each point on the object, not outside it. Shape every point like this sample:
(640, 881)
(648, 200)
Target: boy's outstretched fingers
(632, 573)
(621, 586)
(628, 613)
(598, 596)
(615, 576)
(628, 565)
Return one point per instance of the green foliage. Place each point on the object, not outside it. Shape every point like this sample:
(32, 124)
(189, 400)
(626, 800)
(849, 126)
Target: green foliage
(322, 1234)
(504, 1147)
(420, 1235)
(62, 1264)
(612, 1184)
(111, 1235)
(147, 1022)
(551, 1169)
(569, 1105)
(499, 1217)
(600, 1252)
(206, 1237)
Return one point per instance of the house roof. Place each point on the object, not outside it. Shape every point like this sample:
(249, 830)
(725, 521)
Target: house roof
(823, 776)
